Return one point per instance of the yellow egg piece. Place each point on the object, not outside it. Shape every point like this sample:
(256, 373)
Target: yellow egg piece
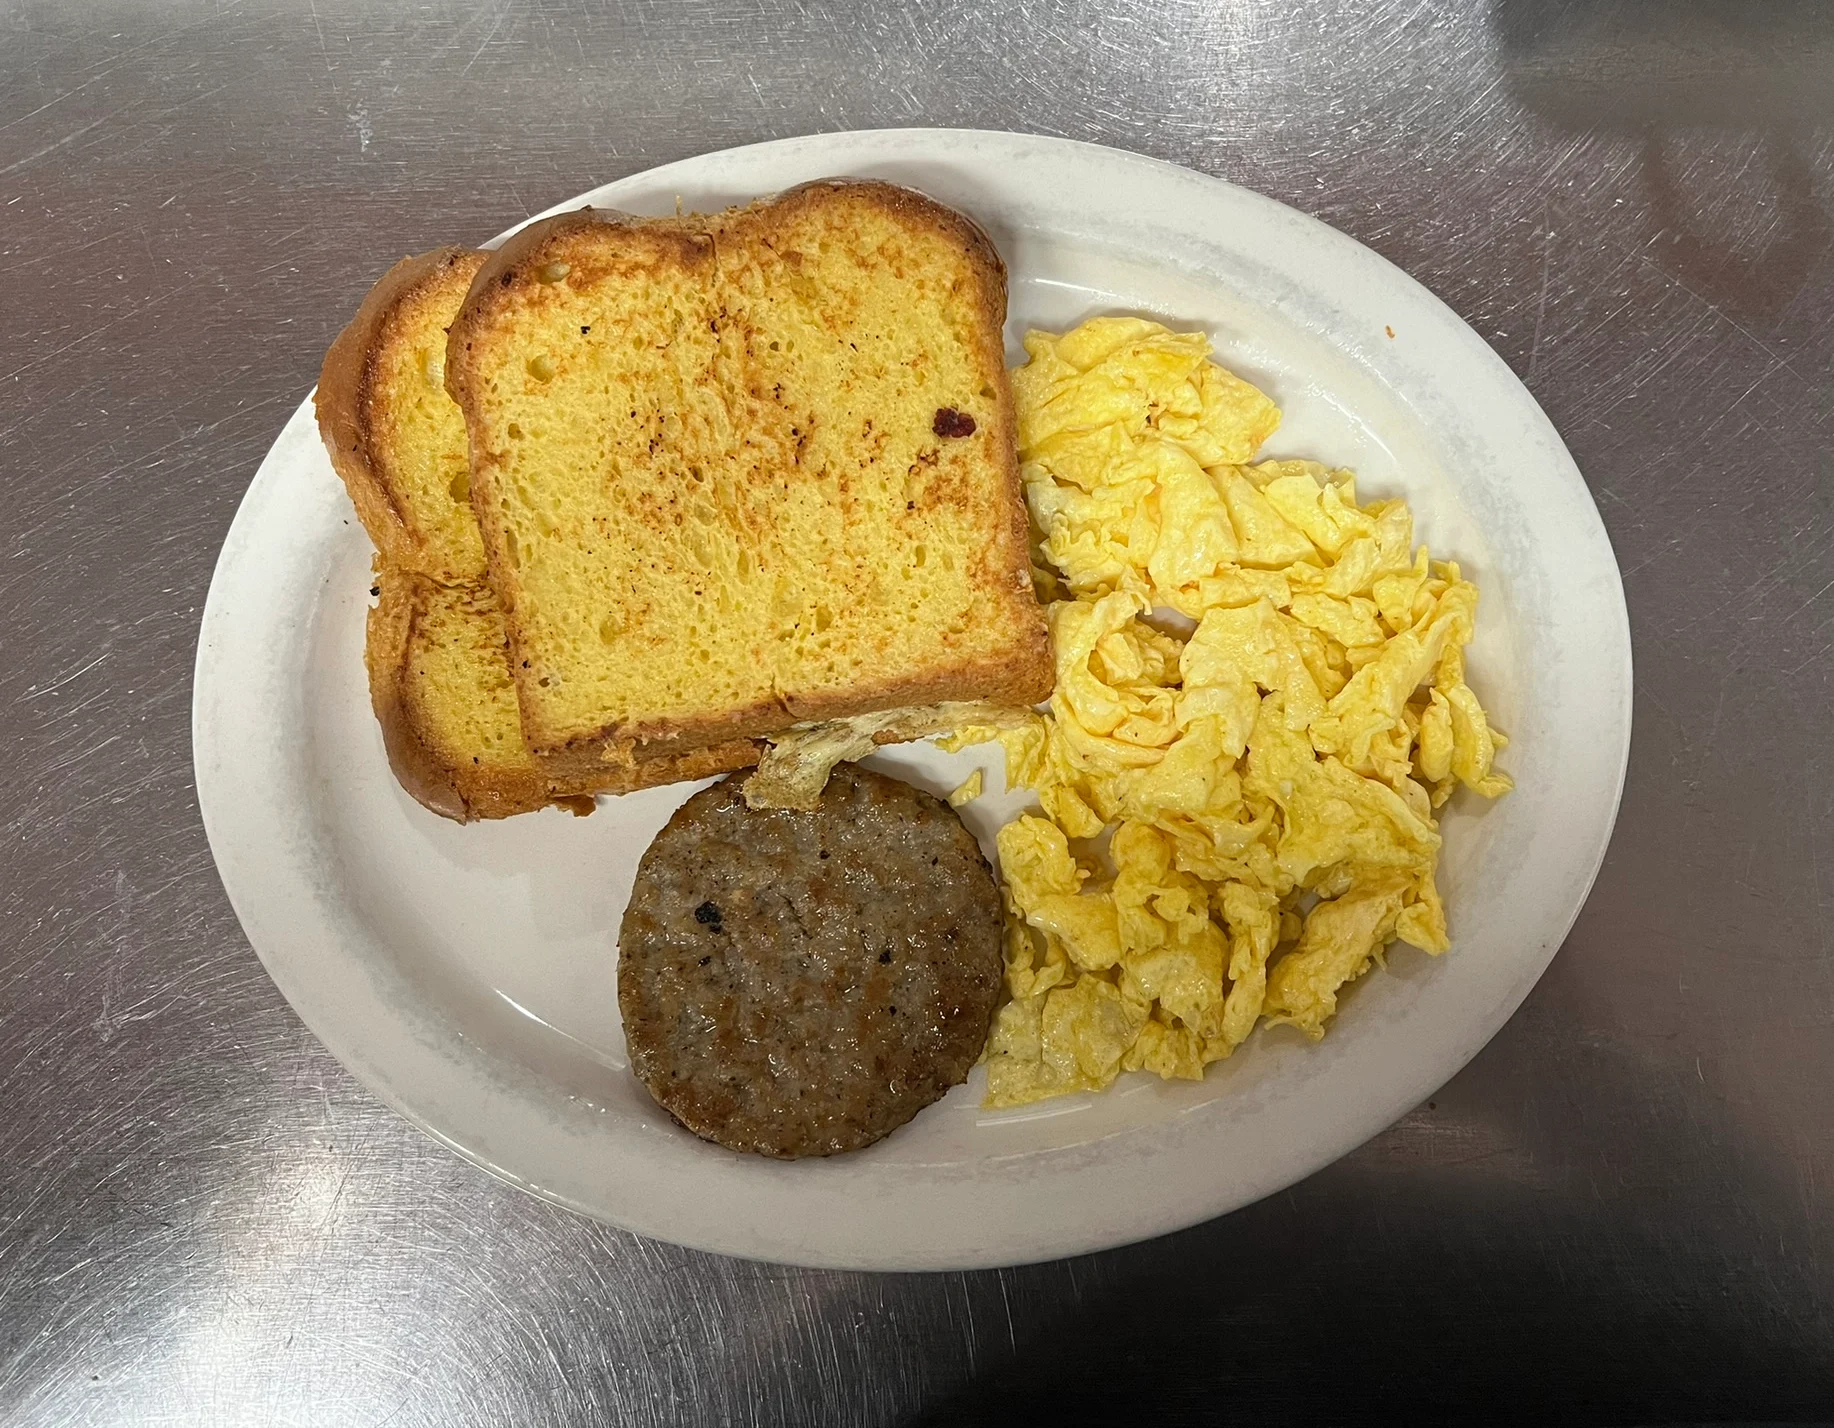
(1260, 704)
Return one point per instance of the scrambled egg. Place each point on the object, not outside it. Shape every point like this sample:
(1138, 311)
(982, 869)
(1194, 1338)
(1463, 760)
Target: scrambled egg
(1266, 779)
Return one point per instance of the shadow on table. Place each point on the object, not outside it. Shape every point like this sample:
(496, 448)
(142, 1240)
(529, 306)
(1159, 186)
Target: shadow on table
(1511, 1286)
(1631, 66)
(1669, 71)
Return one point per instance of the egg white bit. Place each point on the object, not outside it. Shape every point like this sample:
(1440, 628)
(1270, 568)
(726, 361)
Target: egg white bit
(795, 768)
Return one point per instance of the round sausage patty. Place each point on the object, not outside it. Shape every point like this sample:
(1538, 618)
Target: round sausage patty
(799, 983)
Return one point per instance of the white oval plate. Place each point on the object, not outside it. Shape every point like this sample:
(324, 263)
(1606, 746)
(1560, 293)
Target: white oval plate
(466, 974)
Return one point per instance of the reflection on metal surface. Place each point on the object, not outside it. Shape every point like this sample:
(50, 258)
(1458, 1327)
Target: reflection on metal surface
(202, 1221)
(1632, 65)
(1749, 228)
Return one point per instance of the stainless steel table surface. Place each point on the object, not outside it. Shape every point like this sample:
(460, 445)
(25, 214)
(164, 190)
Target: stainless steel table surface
(1622, 1211)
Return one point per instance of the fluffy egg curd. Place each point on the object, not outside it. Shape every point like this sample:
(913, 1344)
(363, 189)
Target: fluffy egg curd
(1237, 796)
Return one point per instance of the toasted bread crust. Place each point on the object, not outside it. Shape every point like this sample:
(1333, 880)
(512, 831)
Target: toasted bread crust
(468, 791)
(1023, 676)
(346, 391)
(387, 635)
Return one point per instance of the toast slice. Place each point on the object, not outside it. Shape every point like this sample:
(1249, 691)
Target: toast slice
(742, 471)
(440, 686)
(435, 651)
(392, 432)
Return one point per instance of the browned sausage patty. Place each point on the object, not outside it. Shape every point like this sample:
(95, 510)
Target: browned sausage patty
(804, 983)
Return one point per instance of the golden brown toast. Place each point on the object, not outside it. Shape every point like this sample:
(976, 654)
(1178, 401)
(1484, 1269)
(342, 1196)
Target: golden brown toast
(741, 471)
(439, 683)
(391, 430)
(438, 663)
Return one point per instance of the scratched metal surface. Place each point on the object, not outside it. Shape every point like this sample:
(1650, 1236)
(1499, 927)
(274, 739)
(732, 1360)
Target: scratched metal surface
(1615, 1214)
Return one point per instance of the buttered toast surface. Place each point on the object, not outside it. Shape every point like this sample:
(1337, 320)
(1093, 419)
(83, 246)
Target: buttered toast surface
(440, 687)
(743, 470)
(435, 649)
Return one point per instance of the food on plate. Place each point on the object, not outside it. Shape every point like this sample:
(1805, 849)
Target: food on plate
(747, 471)
(435, 649)
(1265, 765)
(800, 983)
(753, 487)
(440, 687)
(392, 432)
(796, 764)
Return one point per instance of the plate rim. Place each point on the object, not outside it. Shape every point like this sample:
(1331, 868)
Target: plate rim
(929, 144)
